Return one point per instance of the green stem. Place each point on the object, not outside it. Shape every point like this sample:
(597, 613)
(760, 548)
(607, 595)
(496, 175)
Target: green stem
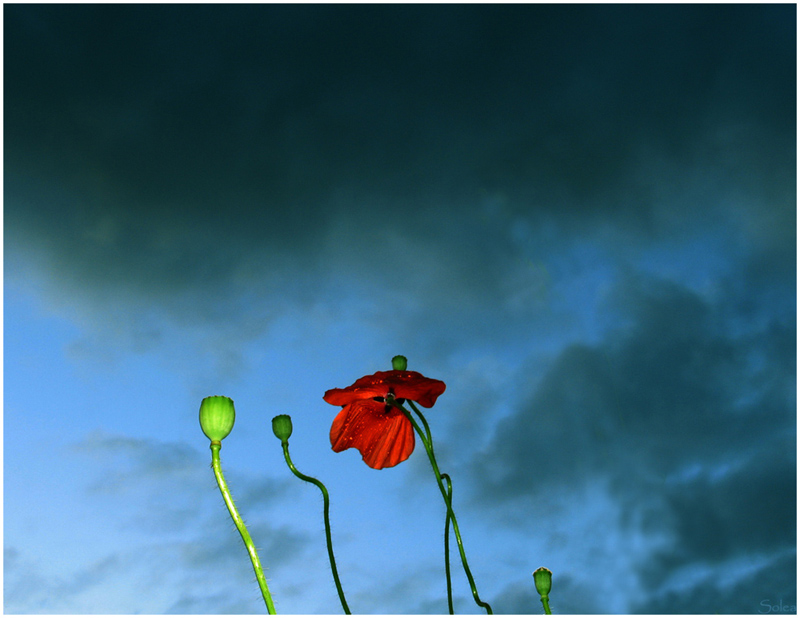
(546, 604)
(448, 500)
(428, 443)
(325, 510)
(447, 545)
(239, 522)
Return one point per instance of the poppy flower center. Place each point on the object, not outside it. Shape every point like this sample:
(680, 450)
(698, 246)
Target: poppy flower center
(388, 400)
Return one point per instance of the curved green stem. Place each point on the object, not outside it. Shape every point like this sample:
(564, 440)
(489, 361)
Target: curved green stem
(325, 510)
(446, 478)
(448, 500)
(428, 443)
(239, 522)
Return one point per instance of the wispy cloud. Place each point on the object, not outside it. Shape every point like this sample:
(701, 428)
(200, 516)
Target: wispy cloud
(162, 498)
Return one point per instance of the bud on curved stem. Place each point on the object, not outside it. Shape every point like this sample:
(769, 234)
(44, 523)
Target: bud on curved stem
(282, 428)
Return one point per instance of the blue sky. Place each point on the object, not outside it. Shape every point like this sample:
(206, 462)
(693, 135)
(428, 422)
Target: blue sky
(581, 218)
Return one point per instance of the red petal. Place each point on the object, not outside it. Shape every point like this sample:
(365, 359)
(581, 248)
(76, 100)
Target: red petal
(384, 439)
(416, 387)
(405, 385)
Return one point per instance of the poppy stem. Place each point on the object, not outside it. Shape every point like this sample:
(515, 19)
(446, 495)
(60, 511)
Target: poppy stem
(449, 500)
(546, 604)
(239, 522)
(325, 512)
(446, 478)
(427, 440)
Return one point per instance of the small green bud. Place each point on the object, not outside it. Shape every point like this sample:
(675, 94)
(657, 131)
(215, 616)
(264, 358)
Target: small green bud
(399, 363)
(543, 578)
(282, 427)
(217, 416)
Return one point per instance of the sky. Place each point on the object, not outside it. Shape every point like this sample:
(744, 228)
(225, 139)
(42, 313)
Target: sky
(581, 218)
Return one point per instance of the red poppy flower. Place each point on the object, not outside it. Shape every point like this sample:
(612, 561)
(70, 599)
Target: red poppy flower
(381, 433)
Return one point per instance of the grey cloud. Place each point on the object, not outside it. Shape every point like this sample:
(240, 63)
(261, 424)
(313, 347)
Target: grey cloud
(769, 584)
(218, 602)
(27, 584)
(152, 470)
(24, 585)
(146, 460)
(418, 590)
(747, 511)
(685, 415)
(667, 389)
(113, 583)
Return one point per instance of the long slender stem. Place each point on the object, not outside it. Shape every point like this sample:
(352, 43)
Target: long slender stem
(448, 500)
(325, 511)
(546, 604)
(428, 443)
(447, 545)
(239, 522)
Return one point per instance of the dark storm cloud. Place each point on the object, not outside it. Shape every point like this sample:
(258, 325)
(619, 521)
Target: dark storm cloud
(673, 386)
(771, 585)
(687, 417)
(743, 522)
(169, 148)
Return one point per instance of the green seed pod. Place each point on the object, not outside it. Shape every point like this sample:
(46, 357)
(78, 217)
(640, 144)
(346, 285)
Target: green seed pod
(399, 363)
(543, 579)
(282, 427)
(217, 416)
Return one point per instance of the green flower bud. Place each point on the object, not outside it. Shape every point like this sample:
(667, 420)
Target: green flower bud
(399, 363)
(217, 416)
(543, 578)
(282, 427)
